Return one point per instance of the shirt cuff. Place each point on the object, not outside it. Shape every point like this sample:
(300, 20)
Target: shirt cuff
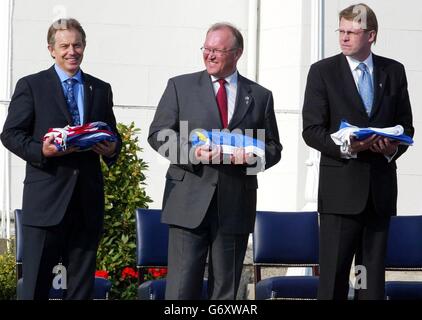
(345, 151)
(390, 158)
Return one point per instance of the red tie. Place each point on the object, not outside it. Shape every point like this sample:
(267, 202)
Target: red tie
(222, 102)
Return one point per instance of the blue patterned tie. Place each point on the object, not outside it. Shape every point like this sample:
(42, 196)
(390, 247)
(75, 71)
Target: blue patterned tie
(366, 90)
(71, 101)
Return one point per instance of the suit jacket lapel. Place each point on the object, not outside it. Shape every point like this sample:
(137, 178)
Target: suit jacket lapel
(350, 90)
(380, 77)
(88, 94)
(244, 101)
(57, 92)
(207, 96)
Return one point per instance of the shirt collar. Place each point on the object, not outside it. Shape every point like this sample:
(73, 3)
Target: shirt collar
(63, 75)
(353, 63)
(230, 79)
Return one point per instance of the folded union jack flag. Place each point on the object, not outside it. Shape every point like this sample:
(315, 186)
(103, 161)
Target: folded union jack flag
(83, 136)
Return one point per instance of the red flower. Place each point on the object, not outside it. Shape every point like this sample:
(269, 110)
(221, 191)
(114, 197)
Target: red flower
(101, 274)
(129, 272)
(157, 272)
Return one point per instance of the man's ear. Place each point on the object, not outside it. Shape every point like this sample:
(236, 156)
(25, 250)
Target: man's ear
(51, 49)
(372, 36)
(238, 53)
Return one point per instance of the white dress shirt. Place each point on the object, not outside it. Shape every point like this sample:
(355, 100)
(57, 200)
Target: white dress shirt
(353, 64)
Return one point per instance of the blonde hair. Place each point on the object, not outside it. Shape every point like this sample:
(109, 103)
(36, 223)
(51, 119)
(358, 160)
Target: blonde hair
(359, 11)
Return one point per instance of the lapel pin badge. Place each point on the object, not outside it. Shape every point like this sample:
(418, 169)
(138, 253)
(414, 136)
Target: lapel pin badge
(380, 85)
(90, 88)
(247, 99)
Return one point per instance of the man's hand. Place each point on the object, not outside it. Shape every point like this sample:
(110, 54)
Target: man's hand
(205, 155)
(105, 148)
(385, 146)
(362, 145)
(49, 149)
(240, 157)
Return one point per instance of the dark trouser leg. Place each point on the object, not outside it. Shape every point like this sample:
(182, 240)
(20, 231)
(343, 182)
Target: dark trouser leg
(187, 255)
(79, 250)
(371, 255)
(40, 255)
(80, 263)
(226, 255)
(188, 249)
(81, 274)
(225, 265)
(74, 242)
(339, 238)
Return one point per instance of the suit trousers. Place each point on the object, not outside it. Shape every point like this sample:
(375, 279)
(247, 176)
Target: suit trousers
(73, 243)
(187, 257)
(341, 238)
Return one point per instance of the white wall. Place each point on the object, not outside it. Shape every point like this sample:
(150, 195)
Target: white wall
(136, 45)
(5, 55)
(281, 70)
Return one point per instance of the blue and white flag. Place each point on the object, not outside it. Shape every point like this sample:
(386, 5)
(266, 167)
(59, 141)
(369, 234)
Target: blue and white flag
(347, 130)
(228, 142)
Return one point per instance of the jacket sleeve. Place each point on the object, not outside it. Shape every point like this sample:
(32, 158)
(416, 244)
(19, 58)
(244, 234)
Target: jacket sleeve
(403, 111)
(316, 115)
(111, 121)
(18, 127)
(164, 132)
(273, 146)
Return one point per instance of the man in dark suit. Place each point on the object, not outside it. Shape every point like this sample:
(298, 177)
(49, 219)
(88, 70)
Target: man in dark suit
(210, 202)
(358, 182)
(63, 196)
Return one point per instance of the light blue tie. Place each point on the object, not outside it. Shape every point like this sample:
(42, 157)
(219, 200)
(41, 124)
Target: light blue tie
(71, 101)
(366, 89)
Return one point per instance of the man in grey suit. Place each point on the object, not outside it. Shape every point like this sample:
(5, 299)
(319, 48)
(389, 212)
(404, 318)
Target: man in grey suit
(210, 203)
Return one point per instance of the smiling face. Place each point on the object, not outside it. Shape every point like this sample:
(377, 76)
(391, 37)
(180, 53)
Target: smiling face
(354, 41)
(68, 50)
(221, 63)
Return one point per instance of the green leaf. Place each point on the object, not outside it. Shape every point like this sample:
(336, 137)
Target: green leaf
(124, 192)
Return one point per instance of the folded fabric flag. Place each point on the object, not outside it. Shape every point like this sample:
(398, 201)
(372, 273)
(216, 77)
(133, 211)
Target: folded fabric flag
(229, 142)
(83, 136)
(347, 130)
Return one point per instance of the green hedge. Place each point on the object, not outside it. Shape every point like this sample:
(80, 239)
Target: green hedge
(124, 192)
(8, 275)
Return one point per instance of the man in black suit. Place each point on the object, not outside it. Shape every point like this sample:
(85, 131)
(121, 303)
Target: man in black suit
(63, 196)
(210, 202)
(358, 182)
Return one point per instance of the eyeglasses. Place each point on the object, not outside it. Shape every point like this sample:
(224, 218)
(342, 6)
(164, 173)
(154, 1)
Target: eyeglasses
(348, 33)
(217, 52)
